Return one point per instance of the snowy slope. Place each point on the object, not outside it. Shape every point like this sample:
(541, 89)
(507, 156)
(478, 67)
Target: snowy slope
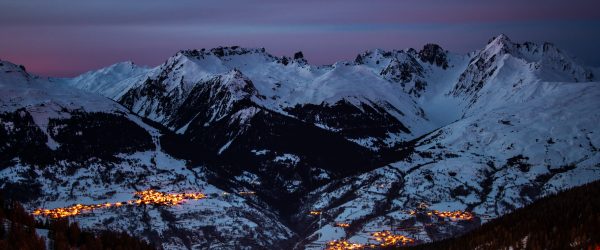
(223, 102)
(378, 143)
(489, 163)
(45, 131)
(502, 68)
(21, 89)
(112, 81)
(521, 136)
(283, 83)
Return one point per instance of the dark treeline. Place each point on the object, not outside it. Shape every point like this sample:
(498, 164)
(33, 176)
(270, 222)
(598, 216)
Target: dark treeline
(567, 220)
(18, 231)
(17, 228)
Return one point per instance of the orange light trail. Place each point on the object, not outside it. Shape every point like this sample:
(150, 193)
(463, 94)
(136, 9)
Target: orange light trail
(342, 224)
(147, 197)
(387, 238)
(383, 239)
(454, 215)
(343, 245)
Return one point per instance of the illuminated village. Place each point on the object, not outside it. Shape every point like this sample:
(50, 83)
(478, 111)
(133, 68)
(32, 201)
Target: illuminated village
(315, 212)
(387, 238)
(153, 197)
(146, 197)
(342, 224)
(382, 239)
(454, 215)
(342, 245)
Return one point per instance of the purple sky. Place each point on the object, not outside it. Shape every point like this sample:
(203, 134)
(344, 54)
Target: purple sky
(68, 37)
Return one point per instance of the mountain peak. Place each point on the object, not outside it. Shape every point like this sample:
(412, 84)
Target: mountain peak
(121, 66)
(238, 83)
(450, 140)
(499, 44)
(500, 39)
(14, 69)
(434, 54)
(223, 51)
(235, 74)
(5, 65)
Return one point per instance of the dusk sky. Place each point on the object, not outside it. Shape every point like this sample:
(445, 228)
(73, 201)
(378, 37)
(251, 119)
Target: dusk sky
(68, 37)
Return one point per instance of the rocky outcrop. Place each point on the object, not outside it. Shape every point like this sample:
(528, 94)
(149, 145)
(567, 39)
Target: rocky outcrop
(434, 54)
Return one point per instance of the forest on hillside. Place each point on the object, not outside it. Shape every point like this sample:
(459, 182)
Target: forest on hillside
(567, 220)
(18, 231)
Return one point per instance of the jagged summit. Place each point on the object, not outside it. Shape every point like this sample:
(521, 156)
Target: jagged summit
(434, 54)
(17, 71)
(224, 51)
(6, 65)
(394, 80)
(498, 45)
(545, 52)
(430, 53)
(430, 140)
(237, 83)
(501, 39)
(504, 65)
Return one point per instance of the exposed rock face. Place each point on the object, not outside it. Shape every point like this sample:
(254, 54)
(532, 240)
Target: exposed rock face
(298, 55)
(403, 72)
(354, 123)
(62, 146)
(396, 138)
(434, 54)
(517, 64)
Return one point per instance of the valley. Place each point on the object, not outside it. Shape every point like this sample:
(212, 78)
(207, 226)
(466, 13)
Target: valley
(234, 147)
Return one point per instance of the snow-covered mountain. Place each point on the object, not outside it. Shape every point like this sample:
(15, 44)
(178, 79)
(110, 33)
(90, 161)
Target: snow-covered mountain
(233, 102)
(521, 136)
(489, 164)
(63, 146)
(378, 142)
(112, 81)
(285, 85)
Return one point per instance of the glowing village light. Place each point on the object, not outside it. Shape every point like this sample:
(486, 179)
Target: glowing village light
(145, 197)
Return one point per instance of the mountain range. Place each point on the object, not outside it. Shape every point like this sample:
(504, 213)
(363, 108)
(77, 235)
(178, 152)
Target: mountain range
(294, 155)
